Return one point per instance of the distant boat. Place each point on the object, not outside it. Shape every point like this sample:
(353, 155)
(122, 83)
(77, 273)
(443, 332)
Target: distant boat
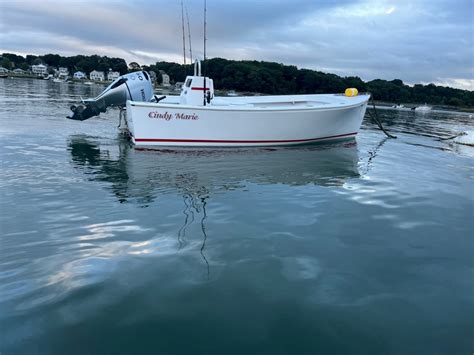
(45, 76)
(58, 80)
(398, 107)
(88, 83)
(423, 108)
(3, 74)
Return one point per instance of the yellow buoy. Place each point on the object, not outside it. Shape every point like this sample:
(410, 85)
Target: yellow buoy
(350, 92)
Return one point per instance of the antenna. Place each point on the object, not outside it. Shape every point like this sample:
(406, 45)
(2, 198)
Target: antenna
(182, 25)
(204, 61)
(189, 35)
(205, 25)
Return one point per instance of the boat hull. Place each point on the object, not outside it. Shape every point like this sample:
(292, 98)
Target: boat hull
(173, 125)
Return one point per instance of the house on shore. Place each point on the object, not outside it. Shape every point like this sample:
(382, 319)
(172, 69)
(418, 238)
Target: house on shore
(19, 71)
(39, 69)
(152, 76)
(165, 79)
(97, 75)
(63, 73)
(112, 75)
(80, 75)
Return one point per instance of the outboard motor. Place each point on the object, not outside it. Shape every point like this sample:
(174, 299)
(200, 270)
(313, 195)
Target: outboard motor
(135, 86)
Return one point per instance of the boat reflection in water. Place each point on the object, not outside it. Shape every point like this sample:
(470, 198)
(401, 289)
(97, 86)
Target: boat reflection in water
(141, 175)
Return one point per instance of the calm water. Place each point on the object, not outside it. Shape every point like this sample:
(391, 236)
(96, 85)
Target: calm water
(363, 247)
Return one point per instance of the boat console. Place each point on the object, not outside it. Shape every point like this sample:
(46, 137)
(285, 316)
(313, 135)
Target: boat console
(197, 90)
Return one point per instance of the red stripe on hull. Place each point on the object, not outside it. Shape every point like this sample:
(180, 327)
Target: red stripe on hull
(239, 141)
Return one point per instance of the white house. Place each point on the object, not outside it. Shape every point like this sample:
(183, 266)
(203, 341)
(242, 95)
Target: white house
(3, 70)
(63, 71)
(165, 78)
(112, 75)
(39, 69)
(152, 76)
(97, 75)
(18, 71)
(79, 75)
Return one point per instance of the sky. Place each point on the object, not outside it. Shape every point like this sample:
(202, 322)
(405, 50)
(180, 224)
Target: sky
(417, 41)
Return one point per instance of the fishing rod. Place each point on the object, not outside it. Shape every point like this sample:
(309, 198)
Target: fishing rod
(204, 61)
(189, 36)
(182, 25)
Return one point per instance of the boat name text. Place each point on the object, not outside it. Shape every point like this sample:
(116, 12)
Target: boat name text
(168, 116)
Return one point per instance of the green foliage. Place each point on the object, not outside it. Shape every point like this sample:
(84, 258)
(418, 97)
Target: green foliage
(176, 71)
(30, 59)
(51, 59)
(74, 63)
(397, 91)
(24, 66)
(276, 79)
(6, 63)
(263, 77)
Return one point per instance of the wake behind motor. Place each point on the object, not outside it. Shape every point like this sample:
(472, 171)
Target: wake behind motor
(135, 86)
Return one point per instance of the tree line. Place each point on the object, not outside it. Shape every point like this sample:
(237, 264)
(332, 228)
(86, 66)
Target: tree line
(261, 77)
(279, 79)
(75, 63)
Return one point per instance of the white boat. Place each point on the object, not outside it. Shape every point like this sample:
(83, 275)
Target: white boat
(423, 108)
(399, 107)
(197, 118)
(45, 76)
(249, 121)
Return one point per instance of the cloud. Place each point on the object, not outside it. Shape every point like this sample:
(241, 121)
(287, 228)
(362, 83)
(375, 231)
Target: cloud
(422, 41)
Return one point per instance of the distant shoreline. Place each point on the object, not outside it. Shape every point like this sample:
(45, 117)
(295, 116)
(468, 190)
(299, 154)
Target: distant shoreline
(385, 104)
(270, 78)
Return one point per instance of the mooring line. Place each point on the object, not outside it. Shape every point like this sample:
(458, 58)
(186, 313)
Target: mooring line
(376, 119)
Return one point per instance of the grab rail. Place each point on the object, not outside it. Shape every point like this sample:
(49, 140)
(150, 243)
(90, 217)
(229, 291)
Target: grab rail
(197, 68)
